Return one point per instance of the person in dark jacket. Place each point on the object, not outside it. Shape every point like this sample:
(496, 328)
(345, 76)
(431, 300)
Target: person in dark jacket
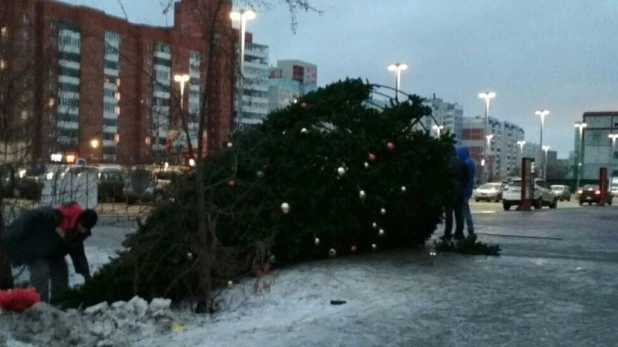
(42, 238)
(464, 154)
(458, 180)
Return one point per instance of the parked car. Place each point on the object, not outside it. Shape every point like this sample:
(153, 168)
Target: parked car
(111, 184)
(489, 192)
(148, 184)
(543, 196)
(29, 184)
(592, 194)
(562, 192)
(8, 180)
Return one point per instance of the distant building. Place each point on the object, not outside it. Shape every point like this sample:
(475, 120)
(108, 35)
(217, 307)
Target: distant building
(449, 115)
(289, 80)
(255, 100)
(103, 88)
(597, 146)
(502, 154)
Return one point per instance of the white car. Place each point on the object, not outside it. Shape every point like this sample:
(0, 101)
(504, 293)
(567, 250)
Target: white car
(543, 196)
(489, 192)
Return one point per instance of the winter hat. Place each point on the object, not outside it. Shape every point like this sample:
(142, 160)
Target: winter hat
(88, 218)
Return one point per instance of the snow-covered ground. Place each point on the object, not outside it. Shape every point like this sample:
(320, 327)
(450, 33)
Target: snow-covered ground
(552, 287)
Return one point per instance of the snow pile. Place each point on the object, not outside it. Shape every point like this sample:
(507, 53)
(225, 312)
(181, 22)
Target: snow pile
(101, 325)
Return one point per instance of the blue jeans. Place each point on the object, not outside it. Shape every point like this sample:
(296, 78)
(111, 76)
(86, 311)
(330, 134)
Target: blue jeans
(467, 215)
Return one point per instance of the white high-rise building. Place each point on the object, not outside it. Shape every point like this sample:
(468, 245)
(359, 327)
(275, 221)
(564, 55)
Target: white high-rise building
(255, 86)
(449, 115)
(503, 150)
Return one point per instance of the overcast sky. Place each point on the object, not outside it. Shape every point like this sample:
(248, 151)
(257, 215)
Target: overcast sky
(554, 54)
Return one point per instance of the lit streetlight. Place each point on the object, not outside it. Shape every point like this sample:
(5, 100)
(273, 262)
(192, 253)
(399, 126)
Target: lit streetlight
(397, 68)
(487, 96)
(182, 79)
(580, 126)
(242, 16)
(545, 150)
(438, 129)
(542, 114)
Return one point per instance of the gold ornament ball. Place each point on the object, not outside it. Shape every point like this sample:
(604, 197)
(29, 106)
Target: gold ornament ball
(362, 194)
(189, 255)
(403, 189)
(374, 225)
(332, 252)
(316, 241)
(285, 208)
(381, 232)
(341, 171)
(366, 165)
(383, 211)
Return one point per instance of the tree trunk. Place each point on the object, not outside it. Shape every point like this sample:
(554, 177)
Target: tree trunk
(6, 271)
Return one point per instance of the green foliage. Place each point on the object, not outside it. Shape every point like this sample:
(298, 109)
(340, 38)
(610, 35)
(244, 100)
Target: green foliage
(293, 158)
(469, 246)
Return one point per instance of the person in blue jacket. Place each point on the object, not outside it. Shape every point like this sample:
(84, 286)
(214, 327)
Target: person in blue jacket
(464, 154)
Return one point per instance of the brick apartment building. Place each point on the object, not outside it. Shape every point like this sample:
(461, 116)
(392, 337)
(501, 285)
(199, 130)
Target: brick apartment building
(104, 88)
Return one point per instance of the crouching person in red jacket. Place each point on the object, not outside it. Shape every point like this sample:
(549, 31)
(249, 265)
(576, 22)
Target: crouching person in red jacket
(42, 238)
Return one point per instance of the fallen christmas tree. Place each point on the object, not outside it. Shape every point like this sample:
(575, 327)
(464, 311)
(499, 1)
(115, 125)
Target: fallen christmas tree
(331, 174)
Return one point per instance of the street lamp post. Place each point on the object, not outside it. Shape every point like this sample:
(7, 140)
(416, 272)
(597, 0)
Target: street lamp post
(487, 96)
(242, 16)
(438, 129)
(488, 146)
(542, 114)
(612, 137)
(521, 144)
(580, 126)
(397, 68)
(545, 150)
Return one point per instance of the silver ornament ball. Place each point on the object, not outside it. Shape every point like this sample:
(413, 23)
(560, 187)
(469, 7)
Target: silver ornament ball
(341, 171)
(285, 208)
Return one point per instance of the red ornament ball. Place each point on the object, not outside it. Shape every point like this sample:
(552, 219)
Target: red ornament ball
(390, 146)
(353, 249)
(371, 157)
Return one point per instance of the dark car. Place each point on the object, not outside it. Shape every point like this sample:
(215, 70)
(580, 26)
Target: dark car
(562, 192)
(147, 184)
(29, 185)
(111, 183)
(8, 180)
(592, 194)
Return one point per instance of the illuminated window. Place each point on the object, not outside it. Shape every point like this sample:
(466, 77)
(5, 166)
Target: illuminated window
(2, 64)
(3, 32)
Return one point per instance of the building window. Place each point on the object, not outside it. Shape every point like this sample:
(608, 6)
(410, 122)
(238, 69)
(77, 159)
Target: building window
(160, 47)
(68, 87)
(110, 65)
(161, 61)
(75, 57)
(64, 71)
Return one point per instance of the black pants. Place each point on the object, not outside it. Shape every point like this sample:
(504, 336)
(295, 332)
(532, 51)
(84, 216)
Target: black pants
(456, 208)
(49, 274)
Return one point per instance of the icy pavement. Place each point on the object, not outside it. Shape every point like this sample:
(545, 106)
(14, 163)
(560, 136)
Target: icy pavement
(555, 285)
